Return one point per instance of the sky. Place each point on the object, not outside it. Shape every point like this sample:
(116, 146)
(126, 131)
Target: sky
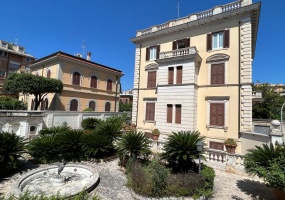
(105, 27)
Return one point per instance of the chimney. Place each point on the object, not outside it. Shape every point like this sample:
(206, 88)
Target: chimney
(88, 55)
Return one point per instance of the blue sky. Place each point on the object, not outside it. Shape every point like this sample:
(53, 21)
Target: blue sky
(106, 26)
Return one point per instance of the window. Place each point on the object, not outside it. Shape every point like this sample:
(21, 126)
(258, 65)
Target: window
(46, 104)
(178, 114)
(92, 105)
(179, 75)
(169, 113)
(181, 44)
(109, 84)
(218, 73)
(76, 78)
(217, 114)
(218, 40)
(151, 79)
(108, 107)
(33, 104)
(150, 110)
(48, 73)
(170, 75)
(152, 53)
(93, 82)
(73, 105)
(42, 105)
(2, 53)
(28, 59)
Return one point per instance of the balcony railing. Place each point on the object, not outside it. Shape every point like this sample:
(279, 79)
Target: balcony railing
(193, 17)
(178, 52)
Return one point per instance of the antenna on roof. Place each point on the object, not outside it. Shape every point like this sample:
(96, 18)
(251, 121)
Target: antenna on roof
(83, 47)
(178, 8)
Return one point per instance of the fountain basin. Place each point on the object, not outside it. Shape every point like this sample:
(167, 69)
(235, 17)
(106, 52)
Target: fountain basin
(72, 180)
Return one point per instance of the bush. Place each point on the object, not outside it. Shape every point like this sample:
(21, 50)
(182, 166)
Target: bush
(267, 162)
(90, 123)
(180, 150)
(11, 148)
(45, 148)
(9, 103)
(111, 127)
(55, 130)
(97, 145)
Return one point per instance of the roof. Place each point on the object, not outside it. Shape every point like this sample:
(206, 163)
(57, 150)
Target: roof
(76, 58)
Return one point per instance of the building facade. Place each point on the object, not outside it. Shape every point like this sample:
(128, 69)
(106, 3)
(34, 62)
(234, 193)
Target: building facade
(86, 84)
(13, 58)
(126, 97)
(195, 73)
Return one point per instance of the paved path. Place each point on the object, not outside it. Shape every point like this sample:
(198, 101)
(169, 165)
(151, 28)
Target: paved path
(112, 185)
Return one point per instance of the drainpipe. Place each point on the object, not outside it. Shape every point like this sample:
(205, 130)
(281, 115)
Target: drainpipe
(138, 86)
(239, 81)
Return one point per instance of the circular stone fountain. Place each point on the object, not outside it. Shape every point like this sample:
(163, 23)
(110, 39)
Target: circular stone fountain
(67, 180)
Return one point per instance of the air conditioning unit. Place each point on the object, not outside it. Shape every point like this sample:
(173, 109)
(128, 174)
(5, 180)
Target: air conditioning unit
(79, 55)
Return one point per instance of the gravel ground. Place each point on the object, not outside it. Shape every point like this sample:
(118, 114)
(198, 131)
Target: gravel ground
(112, 185)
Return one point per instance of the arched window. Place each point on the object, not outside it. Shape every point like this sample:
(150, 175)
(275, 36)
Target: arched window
(108, 107)
(92, 105)
(109, 84)
(73, 105)
(48, 73)
(32, 104)
(42, 105)
(93, 82)
(76, 78)
(46, 104)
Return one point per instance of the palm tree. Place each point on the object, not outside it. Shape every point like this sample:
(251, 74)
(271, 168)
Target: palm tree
(111, 127)
(132, 144)
(180, 149)
(55, 130)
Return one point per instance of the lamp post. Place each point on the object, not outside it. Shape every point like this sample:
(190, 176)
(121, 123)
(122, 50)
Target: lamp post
(199, 149)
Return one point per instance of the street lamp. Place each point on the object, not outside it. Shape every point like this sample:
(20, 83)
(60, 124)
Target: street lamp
(199, 145)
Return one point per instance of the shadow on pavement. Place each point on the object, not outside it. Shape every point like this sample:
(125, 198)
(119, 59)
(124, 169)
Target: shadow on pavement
(254, 189)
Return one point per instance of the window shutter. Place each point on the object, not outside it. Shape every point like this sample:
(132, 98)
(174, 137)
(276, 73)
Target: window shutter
(169, 113)
(150, 109)
(221, 73)
(226, 38)
(147, 54)
(170, 75)
(220, 115)
(151, 79)
(187, 42)
(174, 45)
(157, 51)
(213, 111)
(217, 114)
(178, 114)
(209, 42)
(217, 145)
(214, 74)
(179, 75)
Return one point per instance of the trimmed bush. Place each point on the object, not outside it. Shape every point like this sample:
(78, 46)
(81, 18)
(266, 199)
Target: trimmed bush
(9, 103)
(11, 148)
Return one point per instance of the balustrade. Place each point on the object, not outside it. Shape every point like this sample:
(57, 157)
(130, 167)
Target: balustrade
(178, 52)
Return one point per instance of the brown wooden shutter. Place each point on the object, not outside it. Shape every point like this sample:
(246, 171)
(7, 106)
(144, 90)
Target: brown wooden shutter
(150, 109)
(217, 145)
(218, 73)
(214, 78)
(151, 79)
(187, 42)
(157, 51)
(179, 75)
(174, 45)
(209, 42)
(147, 54)
(217, 114)
(220, 114)
(226, 38)
(169, 113)
(170, 75)
(178, 114)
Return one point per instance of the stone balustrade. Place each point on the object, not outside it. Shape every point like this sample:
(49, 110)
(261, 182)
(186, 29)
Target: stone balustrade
(178, 52)
(197, 16)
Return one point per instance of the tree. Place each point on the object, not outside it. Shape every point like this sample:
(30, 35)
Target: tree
(32, 84)
(9, 103)
(125, 107)
(270, 107)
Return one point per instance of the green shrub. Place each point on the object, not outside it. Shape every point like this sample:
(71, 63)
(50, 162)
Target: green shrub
(88, 110)
(9, 103)
(132, 144)
(90, 123)
(267, 162)
(45, 148)
(111, 127)
(70, 145)
(11, 148)
(55, 130)
(97, 145)
(180, 150)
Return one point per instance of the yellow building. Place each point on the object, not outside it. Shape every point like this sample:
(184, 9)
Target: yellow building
(195, 73)
(86, 84)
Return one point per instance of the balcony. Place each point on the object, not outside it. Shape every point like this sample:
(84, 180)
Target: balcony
(257, 97)
(178, 54)
(197, 16)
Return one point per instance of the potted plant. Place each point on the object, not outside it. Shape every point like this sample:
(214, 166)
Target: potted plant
(155, 134)
(230, 145)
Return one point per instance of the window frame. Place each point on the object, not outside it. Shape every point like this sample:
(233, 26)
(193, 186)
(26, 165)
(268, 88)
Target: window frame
(109, 106)
(225, 40)
(218, 100)
(109, 84)
(150, 105)
(92, 101)
(92, 82)
(169, 113)
(151, 80)
(215, 77)
(219, 43)
(152, 52)
(178, 115)
(73, 106)
(76, 78)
